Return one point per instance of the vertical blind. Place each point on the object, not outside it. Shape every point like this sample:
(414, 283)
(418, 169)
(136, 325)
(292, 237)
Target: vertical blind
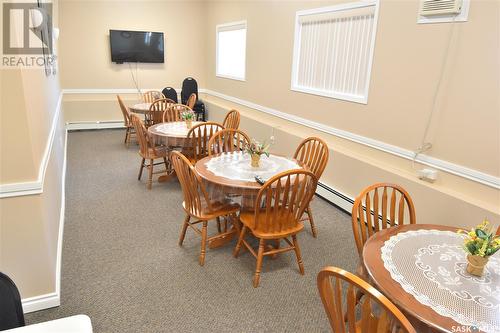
(335, 52)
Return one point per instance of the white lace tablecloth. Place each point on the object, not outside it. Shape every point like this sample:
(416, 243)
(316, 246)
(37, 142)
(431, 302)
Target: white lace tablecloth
(431, 266)
(237, 166)
(140, 107)
(175, 129)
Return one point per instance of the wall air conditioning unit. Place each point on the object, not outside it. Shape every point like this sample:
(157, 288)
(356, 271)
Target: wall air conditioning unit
(440, 7)
(439, 11)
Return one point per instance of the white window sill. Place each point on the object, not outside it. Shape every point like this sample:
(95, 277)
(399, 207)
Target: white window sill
(325, 93)
(231, 77)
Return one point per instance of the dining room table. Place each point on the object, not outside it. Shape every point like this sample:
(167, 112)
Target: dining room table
(422, 269)
(172, 135)
(141, 108)
(230, 175)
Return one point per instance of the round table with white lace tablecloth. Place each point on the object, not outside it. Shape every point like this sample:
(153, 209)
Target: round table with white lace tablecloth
(141, 108)
(172, 135)
(422, 269)
(234, 172)
(231, 175)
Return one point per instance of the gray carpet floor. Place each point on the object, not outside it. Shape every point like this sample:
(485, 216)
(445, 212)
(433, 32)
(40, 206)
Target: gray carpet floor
(122, 267)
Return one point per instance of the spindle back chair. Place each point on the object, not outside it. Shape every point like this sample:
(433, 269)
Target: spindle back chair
(198, 205)
(232, 120)
(228, 141)
(198, 138)
(313, 153)
(374, 313)
(279, 205)
(129, 128)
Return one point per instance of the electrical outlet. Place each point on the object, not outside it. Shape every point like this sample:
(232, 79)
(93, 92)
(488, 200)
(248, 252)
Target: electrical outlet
(429, 175)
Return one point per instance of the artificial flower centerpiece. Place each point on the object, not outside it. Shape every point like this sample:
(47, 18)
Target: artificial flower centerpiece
(255, 149)
(480, 243)
(188, 117)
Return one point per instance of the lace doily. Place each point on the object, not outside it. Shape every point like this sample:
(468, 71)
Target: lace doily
(237, 166)
(175, 129)
(431, 266)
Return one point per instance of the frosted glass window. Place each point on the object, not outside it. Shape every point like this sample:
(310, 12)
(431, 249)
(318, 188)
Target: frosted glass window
(333, 51)
(231, 50)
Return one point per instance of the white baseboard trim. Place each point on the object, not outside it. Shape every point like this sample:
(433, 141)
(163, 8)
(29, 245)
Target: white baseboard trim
(41, 302)
(35, 187)
(458, 170)
(335, 197)
(51, 300)
(90, 125)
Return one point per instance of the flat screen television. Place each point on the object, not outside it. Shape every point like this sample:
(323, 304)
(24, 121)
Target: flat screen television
(136, 46)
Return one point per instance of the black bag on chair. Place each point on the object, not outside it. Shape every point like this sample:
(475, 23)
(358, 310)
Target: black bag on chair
(190, 86)
(170, 93)
(11, 309)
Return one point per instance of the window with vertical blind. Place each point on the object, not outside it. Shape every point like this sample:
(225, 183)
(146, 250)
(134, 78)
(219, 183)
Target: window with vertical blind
(333, 50)
(231, 50)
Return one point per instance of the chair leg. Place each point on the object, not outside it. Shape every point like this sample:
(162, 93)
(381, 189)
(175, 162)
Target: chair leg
(203, 243)
(278, 244)
(297, 253)
(260, 256)
(184, 229)
(240, 241)
(311, 221)
(166, 164)
(150, 178)
(129, 138)
(142, 168)
(219, 229)
(126, 135)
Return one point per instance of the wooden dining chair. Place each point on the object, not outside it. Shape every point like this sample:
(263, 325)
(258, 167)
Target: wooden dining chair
(198, 138)
(191, 101)
(148, 151)
(198, 205)
(228, 141)
(157, 110)
(373, 314)
(151, 96)
(313, 153)
(279, 205)
(375, 209)
(232, 120)
(174, 111)
(129, 128)
(380, 206)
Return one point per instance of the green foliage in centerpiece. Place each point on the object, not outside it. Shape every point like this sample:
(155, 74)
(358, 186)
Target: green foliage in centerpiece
(187, 115)
(257, 148)
(481, 240)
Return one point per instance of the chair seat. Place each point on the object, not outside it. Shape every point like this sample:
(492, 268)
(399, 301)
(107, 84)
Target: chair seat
(248, 219)
(157, 152)
(219, 208)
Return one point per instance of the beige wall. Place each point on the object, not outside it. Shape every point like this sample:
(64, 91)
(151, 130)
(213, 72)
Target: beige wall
(406, 66)
(86, 59)
(85, 52)
(29, 225)
(451, 201)
(407, 61)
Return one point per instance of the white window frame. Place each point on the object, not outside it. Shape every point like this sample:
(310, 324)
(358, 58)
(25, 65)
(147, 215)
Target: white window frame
(296, 50)
(226, 25)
